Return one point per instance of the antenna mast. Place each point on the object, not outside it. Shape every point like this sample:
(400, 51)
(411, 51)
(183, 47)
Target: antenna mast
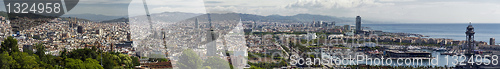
(149, 17)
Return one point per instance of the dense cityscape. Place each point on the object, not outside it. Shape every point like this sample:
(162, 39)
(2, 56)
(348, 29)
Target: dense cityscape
(216, 41)
(249, 34)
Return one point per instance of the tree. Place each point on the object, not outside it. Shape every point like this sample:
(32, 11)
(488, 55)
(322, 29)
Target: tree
(158, 59)
(135, 61)
(92, 64)
(79, 64)
(163, 60)
(61, 59)
(9, 45)
(216, 63)
(255, 67)
(83, 54)
(44, 65)
(45, 61)
(6, 61)
(94, 48)
(189, 60)
(24, 60)
(74, 63)
(125, 59)
(40, 49)
(28, 51)
(108, 62)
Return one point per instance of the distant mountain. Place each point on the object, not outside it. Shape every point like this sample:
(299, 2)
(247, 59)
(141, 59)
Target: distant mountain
(179, 16)
(170, 16)
(116, 20)
(77, 19)
(22, 21)
(294, 18)
(93, 17)
(165, 16)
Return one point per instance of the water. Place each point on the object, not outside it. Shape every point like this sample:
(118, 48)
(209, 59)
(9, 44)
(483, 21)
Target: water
(439, 60)
(454, 31)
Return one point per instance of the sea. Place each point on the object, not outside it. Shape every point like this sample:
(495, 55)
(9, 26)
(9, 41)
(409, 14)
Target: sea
(455, 31)
(438, 60)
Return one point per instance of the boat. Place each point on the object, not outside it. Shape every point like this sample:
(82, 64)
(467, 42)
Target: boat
(440, 49)
(413, 48)
(448, 53)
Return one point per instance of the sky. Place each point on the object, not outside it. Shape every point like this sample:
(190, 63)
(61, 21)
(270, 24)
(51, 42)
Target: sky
(401, 11)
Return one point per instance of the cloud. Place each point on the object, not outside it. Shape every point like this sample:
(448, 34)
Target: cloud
(178, 9)
(396, 0)
(334, 3)
(375, 10)
(434, 12)
(136, 7)
(213, 2)
(268, 10)
(104, 1)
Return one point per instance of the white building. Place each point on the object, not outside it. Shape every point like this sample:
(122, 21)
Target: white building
(335, 36)
(310, 36)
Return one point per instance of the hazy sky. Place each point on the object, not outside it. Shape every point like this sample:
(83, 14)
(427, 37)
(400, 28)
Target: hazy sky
(408, 11)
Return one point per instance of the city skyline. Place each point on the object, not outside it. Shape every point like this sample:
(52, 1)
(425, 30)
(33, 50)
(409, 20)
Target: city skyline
(252, 34)
(399, 11)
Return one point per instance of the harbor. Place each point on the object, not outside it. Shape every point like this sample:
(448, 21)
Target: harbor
(424, 56)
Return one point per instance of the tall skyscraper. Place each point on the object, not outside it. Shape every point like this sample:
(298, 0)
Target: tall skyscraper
(314, 23)
(358, 24)
(254, 24)
(196, 23)
(80, 29)
(324, 25)
(211, 43)
(319, 23)
(492, 41)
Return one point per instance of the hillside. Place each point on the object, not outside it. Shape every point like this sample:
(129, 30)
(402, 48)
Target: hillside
(179, 16)
(93, 17)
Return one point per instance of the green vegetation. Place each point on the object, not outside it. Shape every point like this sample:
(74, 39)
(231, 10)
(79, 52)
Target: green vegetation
(6, 61)
(216, 62)
(285, 48)
(12, 58)
(255, 67)
(255, 55)
(158, 59)
(88, 64)
(190, 60)
(135, 61)
(268, 65)
(300, 47)
(9, 45)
